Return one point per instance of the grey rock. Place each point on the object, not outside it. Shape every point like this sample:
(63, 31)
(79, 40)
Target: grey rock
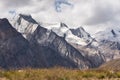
(49, 39)
(15, 50)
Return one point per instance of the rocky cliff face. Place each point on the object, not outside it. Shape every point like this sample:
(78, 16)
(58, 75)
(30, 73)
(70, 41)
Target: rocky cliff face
(55, 47)
(76, 36)
(109, 43)
(49, 39)
(56, 50)
(110, 50)
(94, 56)
(85, 36)
(24, 24)
(15, 50)
(80, 32)
(58, 45)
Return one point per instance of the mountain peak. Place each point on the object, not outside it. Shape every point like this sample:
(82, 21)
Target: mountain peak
(63, 25)
(109, 34)
(24, 24)
(81, 28)
(80, 32)
(27, 18)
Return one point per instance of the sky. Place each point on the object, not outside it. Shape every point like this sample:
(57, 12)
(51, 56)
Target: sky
(93, 15)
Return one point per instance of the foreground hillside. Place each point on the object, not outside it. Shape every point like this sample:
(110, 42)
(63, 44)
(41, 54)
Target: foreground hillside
(58, 74)
(112, 65)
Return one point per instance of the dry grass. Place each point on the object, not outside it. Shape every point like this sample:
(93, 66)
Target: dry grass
(112, 65)
(58, 74)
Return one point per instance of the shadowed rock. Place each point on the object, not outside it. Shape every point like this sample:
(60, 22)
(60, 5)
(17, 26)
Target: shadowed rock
(15, 51)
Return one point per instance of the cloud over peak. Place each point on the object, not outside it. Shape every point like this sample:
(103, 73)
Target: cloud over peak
(89, 13)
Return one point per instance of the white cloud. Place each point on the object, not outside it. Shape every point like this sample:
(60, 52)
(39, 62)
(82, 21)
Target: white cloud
(97, 14)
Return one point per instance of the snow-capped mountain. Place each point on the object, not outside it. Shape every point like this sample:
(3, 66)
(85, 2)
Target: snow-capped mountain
(109, 43)
(109, 34)
(104, 46)
(58, 39)
(77, 36)
(25, 27)
(15, 51)
(73, 36)
(81, 33)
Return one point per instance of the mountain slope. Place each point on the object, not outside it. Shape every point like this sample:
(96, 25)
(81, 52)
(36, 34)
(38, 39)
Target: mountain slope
(67, 47)
(77, 36)
(81, 33)
(57, 50)
(49, 39)
(111, 65)
(109, 34)
(15, 50)
(109, 43)
(24, 24)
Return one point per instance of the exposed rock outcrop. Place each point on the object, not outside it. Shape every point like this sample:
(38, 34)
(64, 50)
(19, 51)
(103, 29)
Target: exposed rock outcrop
(49, 39)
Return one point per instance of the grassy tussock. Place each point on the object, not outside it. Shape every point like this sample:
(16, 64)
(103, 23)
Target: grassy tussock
(58, 74)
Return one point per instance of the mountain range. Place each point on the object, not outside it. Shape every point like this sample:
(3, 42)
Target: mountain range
(26, 43)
